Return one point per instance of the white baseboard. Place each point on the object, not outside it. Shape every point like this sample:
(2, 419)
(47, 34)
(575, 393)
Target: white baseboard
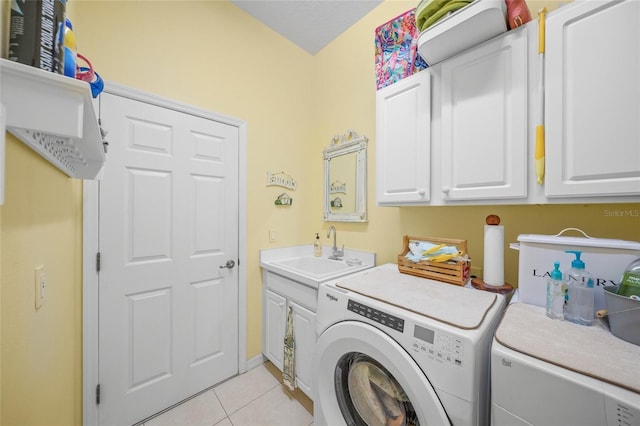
(254, 362)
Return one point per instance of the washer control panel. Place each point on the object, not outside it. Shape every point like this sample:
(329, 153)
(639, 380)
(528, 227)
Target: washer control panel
(438, 345)
(376, 315)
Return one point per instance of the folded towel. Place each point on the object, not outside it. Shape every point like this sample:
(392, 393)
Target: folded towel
(422, 250)
(429, 12)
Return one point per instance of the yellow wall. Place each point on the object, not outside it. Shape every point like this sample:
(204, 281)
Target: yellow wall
(213, 55)
(41, 350)
(205, 53)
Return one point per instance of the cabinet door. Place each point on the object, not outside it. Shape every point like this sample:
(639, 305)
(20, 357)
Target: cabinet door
(403, 141)
(592, 99)
(484, 121)
(304, 334)
(274, 329)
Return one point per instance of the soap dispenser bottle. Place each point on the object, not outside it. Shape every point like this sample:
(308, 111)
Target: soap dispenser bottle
(580, 292)
(556, 290)
(317, 247)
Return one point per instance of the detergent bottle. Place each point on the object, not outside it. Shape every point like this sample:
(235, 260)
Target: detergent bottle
(579, 306)
(70, 49)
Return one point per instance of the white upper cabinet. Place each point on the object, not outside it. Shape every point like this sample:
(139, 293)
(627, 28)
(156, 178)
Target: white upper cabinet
(592, 100)
(403, 141)
(483, 136)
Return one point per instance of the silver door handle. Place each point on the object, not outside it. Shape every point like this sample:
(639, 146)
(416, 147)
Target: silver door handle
(230, 264)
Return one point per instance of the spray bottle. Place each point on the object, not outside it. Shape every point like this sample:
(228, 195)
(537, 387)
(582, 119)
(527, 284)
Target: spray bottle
(556, 290)
(579, 306)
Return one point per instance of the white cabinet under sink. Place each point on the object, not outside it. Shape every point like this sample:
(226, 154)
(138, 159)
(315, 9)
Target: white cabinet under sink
(290, 280)
(304, 335)
(282, 294)
(275, 319)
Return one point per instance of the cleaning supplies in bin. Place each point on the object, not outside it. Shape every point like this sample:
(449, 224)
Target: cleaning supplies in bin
(556, 293)
(622, 315)
(623, 305)
(580, 292)
(630, 284)
(423, 250)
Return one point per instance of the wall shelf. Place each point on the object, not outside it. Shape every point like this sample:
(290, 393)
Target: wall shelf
(54, 115)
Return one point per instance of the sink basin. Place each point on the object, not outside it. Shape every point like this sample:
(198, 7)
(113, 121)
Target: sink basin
(314, 265)
(297, 263)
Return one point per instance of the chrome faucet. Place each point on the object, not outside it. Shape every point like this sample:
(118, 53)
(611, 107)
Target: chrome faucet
(336, 253)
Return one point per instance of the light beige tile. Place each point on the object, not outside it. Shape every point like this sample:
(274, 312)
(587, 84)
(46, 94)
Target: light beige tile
(225, 422)
(277, 407)
(241, 390)
(203, 410)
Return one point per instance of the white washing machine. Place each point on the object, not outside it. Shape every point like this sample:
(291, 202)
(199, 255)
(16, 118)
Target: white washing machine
(397, 349)
(550, 372)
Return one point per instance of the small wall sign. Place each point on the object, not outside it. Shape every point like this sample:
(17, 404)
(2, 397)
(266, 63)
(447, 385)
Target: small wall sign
(281, 179)
(284, 200)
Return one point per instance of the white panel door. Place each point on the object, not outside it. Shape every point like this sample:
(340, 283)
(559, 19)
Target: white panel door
(592, 99)
(484, 121)
(168, 320)
(403, 141)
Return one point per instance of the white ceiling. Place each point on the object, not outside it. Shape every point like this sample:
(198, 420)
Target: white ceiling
(311, 24)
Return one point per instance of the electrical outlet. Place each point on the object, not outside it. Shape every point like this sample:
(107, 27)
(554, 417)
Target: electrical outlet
(39, 281)
(476, 271)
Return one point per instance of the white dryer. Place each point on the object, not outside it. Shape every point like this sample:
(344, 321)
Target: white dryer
(550, 372)
(398, 349)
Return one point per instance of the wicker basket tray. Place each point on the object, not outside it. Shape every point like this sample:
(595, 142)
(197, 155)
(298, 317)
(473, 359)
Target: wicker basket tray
(452, 272)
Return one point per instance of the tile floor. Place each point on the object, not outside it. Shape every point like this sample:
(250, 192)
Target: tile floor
(255, 398)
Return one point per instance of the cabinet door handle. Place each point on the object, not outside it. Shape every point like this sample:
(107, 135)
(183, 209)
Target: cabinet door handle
(421, 191)
(446, 190)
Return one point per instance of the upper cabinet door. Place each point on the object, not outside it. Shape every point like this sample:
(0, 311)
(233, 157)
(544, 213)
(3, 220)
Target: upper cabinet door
(592, 99)
(403, 141)
(484, 121)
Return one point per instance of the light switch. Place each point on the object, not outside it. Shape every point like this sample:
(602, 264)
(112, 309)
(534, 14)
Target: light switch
(39, 285)
(272, 235)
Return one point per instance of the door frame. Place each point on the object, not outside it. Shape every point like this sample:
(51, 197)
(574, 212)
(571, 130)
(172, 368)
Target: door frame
(90, 224)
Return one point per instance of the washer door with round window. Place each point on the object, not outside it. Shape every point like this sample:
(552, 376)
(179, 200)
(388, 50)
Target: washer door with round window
(364, 377)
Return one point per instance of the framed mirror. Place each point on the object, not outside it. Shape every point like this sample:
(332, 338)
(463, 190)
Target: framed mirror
(345, 179)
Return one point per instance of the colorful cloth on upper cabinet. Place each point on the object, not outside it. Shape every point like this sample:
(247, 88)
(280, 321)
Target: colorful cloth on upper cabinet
(429, 12)
(396, 50)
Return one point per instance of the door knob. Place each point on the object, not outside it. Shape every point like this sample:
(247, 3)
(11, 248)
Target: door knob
(230, 264)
